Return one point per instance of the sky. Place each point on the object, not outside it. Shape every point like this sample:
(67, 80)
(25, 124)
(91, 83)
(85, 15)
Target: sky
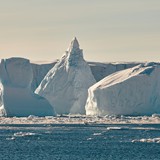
(117, 30)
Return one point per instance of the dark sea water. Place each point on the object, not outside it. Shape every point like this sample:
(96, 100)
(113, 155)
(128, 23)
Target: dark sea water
(78, 142)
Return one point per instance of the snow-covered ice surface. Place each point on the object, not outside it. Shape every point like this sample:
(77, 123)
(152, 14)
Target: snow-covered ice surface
(80, 137)
(16, 96)
(134, 91)
(66, 84)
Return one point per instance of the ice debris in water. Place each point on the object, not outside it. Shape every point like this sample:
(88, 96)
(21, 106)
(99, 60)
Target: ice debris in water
(149, 140)
(23, 134)
(97, 134)
(83, 119)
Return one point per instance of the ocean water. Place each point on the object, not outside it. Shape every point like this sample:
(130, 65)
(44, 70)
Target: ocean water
(80, 142)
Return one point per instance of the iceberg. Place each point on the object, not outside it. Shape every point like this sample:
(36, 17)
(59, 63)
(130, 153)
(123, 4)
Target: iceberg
(66, 85)
(134, 91)
(16, 95)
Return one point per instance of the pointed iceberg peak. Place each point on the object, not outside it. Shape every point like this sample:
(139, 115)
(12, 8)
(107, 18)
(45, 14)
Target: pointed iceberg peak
(74, 54)
(74, 44)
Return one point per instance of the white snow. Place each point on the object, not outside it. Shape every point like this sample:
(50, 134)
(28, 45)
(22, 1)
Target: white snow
(66, 84)
(134, 91)
(16, 96)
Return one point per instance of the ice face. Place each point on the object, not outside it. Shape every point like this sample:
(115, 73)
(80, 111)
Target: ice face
(16, 72)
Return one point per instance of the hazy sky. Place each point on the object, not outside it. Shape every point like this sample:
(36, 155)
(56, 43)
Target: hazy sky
(107, 30)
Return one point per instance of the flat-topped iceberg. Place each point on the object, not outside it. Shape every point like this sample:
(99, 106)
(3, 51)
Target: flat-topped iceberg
(134, 91)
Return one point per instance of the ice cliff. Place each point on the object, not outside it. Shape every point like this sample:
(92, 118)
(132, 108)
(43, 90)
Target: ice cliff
(16, 96)
(66, 84)
(134, 91)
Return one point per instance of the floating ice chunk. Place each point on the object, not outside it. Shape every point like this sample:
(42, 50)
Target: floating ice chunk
(23, 134)
(149, 140)
(117, 128)
(12, 138)
(97, 134)
(156, 115)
